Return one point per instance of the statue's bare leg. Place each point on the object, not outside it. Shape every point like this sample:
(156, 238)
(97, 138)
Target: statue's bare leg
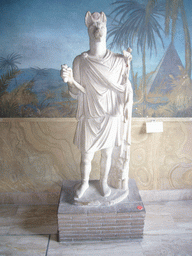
(85, 168)
(125, 171)
(125, 175)
(106, 155)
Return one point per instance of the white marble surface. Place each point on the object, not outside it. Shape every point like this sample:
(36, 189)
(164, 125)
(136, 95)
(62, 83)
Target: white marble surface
(103, 248)
(168, 231)
(28, 220)
(23, 245)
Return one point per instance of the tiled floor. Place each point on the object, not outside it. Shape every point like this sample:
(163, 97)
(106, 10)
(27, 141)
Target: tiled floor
(31, 230)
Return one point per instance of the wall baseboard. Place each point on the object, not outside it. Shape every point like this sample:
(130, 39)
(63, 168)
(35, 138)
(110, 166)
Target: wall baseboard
(165, 195)
(39, 198)
(45, 198)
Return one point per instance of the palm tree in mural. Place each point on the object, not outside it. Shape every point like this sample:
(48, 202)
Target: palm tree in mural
(10, 63)
(173, 7)
(135, 21)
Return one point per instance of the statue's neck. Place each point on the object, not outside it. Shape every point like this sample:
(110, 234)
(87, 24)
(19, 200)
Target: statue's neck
(97, 49)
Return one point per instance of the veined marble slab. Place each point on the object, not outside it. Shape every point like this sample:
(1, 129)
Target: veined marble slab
(23, 245)
(36, 155)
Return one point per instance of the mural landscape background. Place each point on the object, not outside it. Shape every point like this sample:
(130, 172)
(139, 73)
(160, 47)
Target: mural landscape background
(38, 36)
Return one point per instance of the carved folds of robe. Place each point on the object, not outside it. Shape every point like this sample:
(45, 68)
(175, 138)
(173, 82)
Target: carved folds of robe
(100, 110)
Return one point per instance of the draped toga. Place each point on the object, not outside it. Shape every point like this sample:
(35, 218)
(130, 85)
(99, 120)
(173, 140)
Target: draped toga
(100, 109)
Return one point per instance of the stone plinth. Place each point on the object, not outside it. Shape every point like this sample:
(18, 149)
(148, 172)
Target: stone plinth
(122, 220)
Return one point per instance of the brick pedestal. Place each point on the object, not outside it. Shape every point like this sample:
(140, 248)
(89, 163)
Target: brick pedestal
(123, 220)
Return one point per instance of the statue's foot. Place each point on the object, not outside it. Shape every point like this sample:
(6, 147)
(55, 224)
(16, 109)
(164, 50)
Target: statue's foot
(81, 190)
(105, 189)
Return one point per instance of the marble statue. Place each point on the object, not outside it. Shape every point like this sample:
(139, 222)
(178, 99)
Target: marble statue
(100, 82)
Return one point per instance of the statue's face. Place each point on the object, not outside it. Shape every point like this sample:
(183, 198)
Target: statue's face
(97, 31)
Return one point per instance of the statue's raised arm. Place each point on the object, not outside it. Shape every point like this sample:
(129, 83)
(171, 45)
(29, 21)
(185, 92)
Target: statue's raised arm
(67, 76)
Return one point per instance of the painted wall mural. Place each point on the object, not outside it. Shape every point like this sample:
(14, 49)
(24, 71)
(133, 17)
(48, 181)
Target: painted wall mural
(38, 36)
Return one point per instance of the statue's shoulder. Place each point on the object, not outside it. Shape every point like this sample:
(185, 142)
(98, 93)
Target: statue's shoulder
(117, 58)
(78, 58)
(115, 55)
(118, 55)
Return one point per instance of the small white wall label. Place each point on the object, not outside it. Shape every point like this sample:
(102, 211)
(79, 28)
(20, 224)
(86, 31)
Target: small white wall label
(153, 127)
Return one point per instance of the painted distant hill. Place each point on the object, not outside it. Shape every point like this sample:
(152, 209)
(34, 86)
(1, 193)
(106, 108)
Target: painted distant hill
(44, 79)
(50, 95)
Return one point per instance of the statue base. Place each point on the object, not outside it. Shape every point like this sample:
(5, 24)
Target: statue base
(93, 217)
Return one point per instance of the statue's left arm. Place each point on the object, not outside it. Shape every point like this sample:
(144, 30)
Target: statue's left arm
(128, 100)
(128, 103)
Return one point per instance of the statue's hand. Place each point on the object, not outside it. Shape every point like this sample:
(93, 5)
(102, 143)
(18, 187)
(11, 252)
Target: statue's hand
(67, 74)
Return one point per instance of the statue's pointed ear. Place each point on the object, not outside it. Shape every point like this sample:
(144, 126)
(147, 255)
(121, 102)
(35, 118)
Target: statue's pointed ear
(103, 17)
(88, 18)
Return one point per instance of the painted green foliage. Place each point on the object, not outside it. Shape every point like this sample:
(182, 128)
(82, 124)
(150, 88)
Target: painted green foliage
(14, 103)
(22, 101)
(173, 8)
(166, 91)
(136, 23)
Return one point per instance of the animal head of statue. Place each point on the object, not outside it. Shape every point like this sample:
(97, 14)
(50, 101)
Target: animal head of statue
(96, 24)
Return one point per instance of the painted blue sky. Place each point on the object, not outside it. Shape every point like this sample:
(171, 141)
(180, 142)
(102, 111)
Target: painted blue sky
(48, 33)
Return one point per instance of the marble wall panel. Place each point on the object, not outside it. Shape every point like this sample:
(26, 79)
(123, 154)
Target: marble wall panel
(37, 154)
(164, 159)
